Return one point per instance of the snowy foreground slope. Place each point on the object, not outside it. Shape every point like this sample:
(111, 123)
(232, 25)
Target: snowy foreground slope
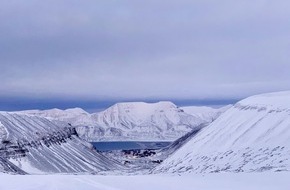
(33, 144)
(240, 181)
(253, 135)
(134, 121)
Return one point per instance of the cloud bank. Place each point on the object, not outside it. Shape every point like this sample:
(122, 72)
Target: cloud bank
(110, 50)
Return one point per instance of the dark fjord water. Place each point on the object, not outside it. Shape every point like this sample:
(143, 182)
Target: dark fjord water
(128, 145)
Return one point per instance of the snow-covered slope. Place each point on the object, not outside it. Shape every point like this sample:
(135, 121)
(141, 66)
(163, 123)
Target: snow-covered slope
(175, 145)
(253, 135)
(208, 114)
(37, 145)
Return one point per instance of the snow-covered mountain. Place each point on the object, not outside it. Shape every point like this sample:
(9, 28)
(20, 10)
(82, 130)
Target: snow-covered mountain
(253, 135)
(75, 116)
(134, 121)
(34, 144)
(142, 121)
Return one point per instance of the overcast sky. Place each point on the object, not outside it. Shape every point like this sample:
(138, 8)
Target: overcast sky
(66, 53)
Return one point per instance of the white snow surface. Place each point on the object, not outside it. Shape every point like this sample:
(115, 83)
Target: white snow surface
(241, 181)
(133, 121)
(251, 136)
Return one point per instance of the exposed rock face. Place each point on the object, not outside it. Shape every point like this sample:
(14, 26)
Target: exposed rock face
(7, 167)
(37, 145)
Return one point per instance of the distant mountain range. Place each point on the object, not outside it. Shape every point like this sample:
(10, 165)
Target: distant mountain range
(162, 121)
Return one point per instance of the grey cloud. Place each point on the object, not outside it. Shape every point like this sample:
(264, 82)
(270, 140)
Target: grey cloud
(143, 49)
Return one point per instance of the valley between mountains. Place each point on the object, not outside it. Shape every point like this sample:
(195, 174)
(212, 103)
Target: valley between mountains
(251, 136)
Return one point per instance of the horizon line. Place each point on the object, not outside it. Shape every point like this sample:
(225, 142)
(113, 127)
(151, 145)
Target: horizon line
(20, 104)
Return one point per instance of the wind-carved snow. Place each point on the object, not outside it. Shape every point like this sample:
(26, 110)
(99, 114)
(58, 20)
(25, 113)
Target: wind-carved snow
(134, 121)
(251, 136)
(37, 145)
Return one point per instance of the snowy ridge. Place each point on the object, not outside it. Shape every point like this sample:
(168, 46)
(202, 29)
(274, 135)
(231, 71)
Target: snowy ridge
(251, 136)
(74, 115)
(37, 145)
(276, 100)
